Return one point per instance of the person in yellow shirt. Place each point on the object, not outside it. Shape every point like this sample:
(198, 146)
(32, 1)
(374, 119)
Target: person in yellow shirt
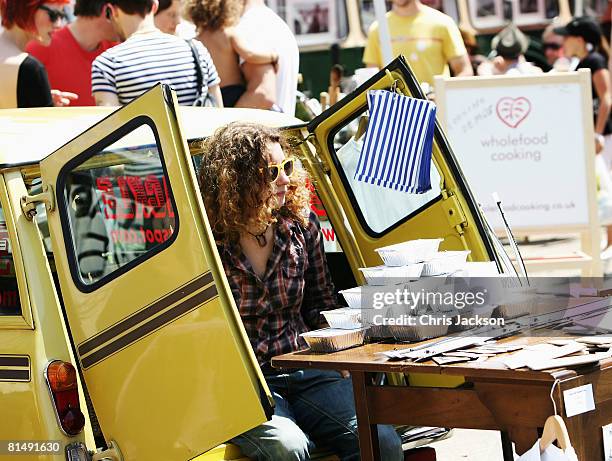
(429, 39)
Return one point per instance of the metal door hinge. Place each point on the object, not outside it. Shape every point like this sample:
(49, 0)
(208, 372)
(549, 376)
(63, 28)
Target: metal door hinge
(298, 140)
(454, 211)
(28, 202)
(111, 453)
(315, 158)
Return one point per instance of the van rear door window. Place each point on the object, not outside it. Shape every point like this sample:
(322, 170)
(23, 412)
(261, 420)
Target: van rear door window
(119, 206)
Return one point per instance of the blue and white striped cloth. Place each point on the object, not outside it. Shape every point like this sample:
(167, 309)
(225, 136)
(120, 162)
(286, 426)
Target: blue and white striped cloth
(397, 148)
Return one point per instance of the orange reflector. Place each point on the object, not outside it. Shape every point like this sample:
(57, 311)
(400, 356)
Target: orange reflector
(61, 376)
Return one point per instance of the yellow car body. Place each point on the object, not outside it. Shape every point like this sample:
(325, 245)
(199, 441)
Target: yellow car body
(149, 322)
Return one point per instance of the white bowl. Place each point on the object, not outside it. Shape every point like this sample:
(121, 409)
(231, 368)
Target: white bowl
(445, 262)
(356, 297)
(410, 252)
(343, 318)
(384, 275)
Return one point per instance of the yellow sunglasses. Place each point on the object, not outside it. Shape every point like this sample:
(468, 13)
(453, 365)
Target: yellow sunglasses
(287, 165)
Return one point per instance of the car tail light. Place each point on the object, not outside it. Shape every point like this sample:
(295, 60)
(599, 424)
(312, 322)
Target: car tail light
(63, 385)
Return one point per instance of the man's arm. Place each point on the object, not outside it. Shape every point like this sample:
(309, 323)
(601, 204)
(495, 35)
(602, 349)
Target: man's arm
(601, 82)
(215, 92)
(261, 86)
(251, 54)
(103, 87)
(104, 98)
(461, 66)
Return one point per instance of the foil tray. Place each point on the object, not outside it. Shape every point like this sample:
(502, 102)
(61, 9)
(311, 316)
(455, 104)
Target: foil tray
(333, 339)
(417, 332)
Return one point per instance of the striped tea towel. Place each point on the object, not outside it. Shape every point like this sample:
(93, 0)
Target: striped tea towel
(397, 148)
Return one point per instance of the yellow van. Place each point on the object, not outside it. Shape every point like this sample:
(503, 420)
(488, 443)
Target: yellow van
(119, 337)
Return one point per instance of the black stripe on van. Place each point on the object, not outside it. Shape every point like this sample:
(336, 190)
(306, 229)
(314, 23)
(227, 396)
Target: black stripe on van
(14, 361)
(15, 368)
(145, 313)
(148, 324)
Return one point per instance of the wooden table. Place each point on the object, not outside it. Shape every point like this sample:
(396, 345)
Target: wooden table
(516, 402)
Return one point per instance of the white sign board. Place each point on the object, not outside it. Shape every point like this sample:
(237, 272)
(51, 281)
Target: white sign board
(528, 138)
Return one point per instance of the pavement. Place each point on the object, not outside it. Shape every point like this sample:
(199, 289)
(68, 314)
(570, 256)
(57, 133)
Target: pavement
(477, 445)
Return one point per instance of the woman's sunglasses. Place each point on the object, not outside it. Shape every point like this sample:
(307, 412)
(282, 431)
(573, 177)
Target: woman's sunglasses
(551, 46)
(287, 165)
(54, 15)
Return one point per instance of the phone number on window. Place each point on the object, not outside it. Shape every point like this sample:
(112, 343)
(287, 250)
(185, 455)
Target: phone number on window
(26, 447)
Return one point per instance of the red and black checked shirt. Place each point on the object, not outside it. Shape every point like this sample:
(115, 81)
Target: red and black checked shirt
(294, 289)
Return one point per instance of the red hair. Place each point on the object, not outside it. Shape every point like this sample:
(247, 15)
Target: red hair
(21, 12)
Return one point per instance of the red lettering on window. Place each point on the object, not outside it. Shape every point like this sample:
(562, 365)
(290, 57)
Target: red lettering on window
(137, 191)
(127, 211)
(137, 197)
(105, 185)
(155, 197)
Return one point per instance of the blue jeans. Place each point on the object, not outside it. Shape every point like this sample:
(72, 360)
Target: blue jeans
(313, 408)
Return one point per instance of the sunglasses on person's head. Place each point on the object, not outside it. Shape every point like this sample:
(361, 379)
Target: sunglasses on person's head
(551, 46)
(287, 165)
(54, 15)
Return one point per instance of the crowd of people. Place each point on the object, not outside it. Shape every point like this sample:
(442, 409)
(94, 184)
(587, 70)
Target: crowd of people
(114, 50)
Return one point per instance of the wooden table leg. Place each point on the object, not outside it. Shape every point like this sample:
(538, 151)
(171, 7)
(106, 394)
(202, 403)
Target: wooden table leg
(368, 433)
(507, 450)
(523, 438)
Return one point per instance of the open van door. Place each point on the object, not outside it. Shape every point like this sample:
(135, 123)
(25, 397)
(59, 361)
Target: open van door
(378, 216)
(165, 358)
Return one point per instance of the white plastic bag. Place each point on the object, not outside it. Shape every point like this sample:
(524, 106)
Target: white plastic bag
(552, 453)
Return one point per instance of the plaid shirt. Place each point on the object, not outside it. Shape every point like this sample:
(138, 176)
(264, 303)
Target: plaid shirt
(294, 289)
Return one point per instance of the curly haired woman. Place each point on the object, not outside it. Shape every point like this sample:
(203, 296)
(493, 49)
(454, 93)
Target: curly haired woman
(273, 256)
(215, 21)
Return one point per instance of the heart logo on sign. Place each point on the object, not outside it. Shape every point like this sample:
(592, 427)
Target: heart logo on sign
(512, 111)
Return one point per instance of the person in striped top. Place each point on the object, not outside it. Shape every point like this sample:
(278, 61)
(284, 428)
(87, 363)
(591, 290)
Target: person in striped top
(148, 56)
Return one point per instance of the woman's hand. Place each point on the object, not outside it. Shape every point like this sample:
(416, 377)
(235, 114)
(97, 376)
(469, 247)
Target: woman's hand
(63, 98)
(345, 373)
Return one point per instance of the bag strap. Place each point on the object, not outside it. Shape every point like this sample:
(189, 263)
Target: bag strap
(196, 59)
